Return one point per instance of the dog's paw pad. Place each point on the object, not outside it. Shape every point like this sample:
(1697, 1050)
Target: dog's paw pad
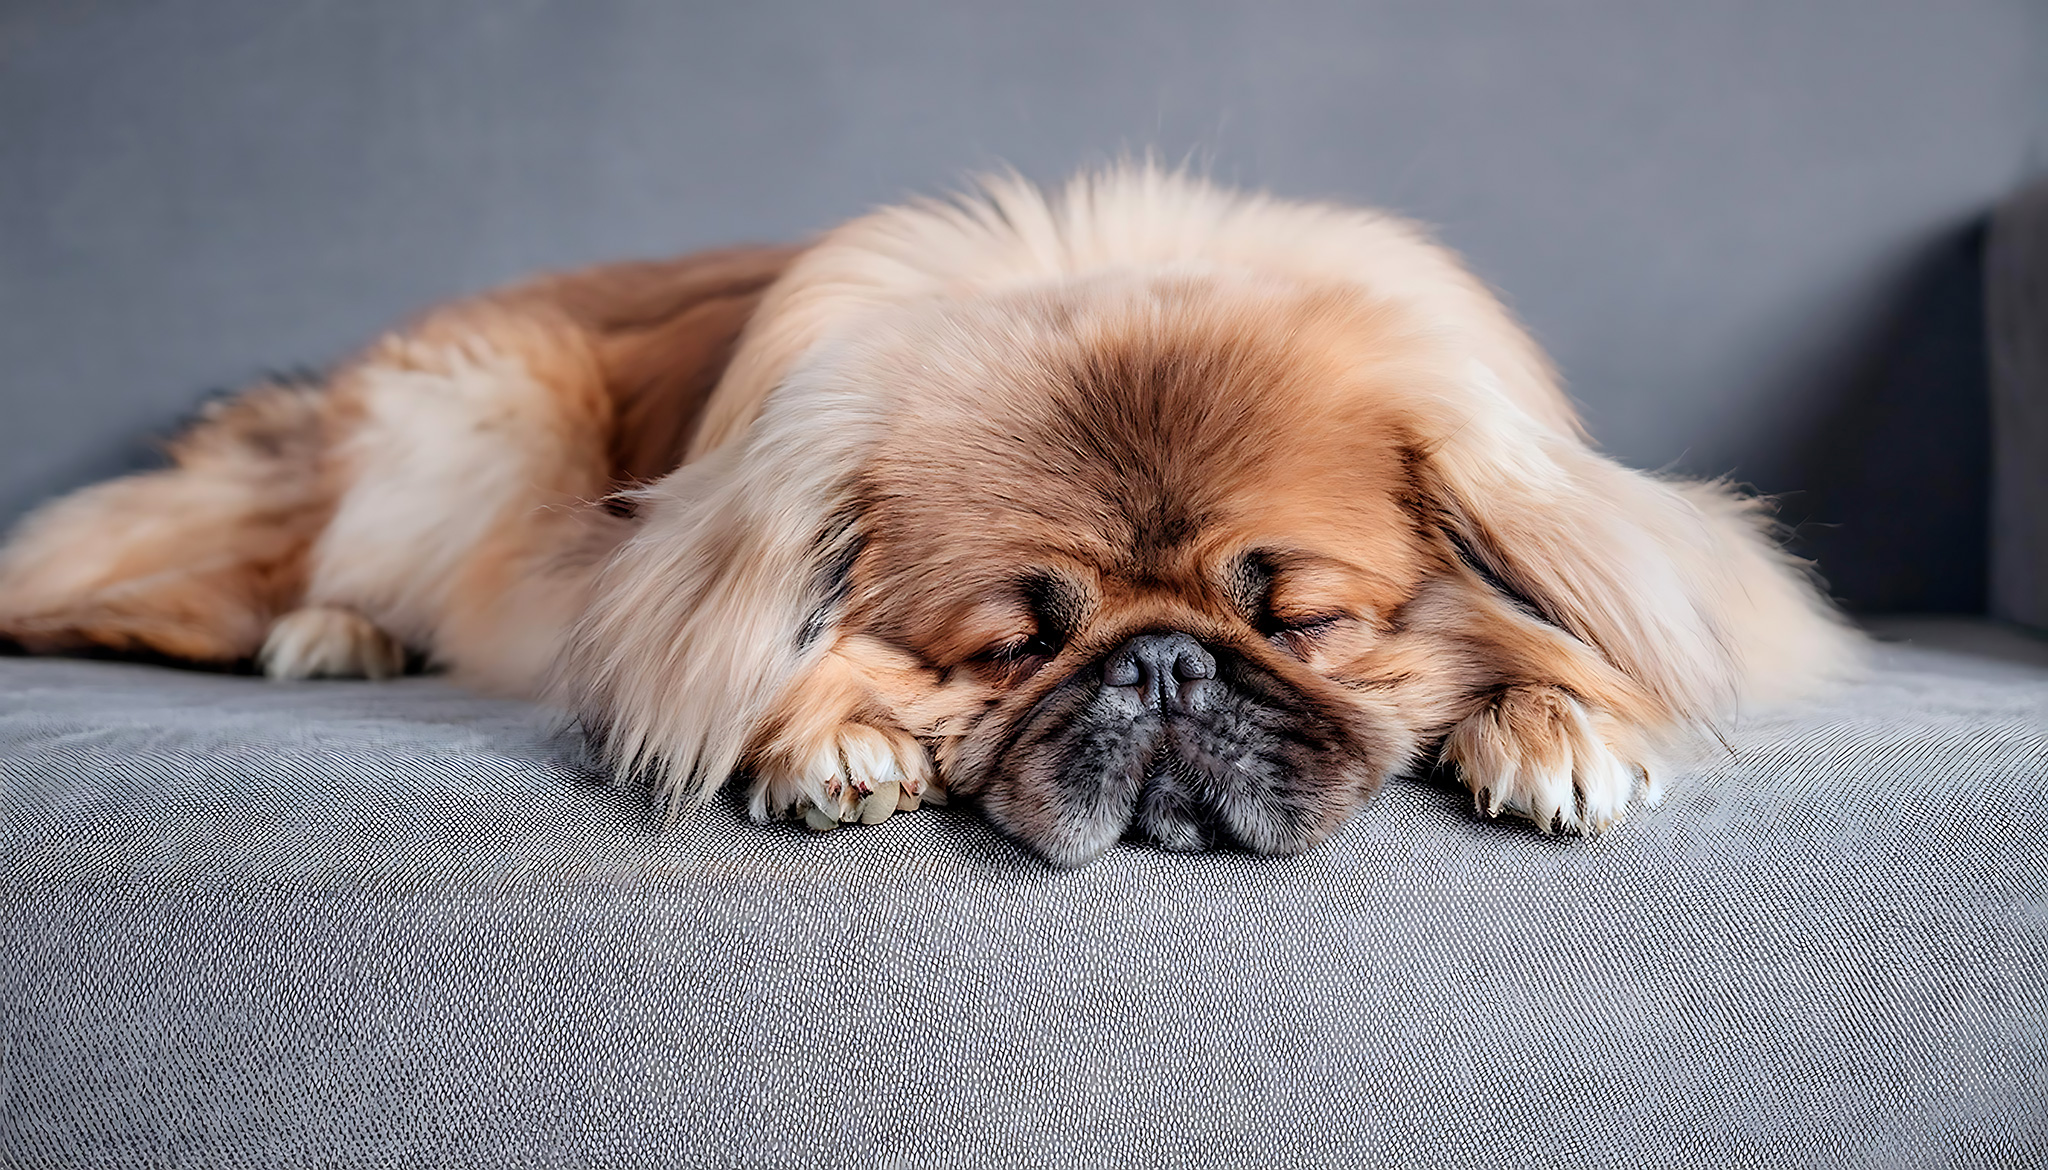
(326, 642)
(856, 774)
(1539, 753)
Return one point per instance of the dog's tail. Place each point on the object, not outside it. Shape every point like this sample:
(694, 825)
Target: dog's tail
(191, 562)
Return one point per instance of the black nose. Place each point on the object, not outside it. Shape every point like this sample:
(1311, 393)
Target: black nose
(1164, 671)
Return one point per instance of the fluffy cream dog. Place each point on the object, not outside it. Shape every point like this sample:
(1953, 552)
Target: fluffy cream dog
(1145, 509)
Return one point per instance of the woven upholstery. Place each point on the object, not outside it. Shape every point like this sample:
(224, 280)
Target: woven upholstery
(253, 924)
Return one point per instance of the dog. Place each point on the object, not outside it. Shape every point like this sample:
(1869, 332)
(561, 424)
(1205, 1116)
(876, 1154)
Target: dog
(1141, 509)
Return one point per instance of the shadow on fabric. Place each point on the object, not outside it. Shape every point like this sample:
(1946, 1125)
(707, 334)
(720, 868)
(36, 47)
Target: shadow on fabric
(1895, 475)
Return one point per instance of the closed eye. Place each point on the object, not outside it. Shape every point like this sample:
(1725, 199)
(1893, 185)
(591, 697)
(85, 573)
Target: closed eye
(1018, 658)
(1300, 624)
(1250, 583)
(1056, 604)
(1035, 646)
(1299, 634)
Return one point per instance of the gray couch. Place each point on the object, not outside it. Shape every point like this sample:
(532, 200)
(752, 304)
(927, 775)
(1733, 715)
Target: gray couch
(397, 925)
(353, 924)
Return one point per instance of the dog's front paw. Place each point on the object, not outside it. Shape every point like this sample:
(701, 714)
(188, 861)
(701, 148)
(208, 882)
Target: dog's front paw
(1539, 753)
(854, 773)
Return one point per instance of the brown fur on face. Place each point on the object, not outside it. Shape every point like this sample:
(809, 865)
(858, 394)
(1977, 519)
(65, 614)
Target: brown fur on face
(1147, 509)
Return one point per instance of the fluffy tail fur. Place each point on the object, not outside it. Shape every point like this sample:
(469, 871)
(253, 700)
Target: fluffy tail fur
(192, 562)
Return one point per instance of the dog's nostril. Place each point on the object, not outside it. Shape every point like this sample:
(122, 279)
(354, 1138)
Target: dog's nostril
(1122, 671)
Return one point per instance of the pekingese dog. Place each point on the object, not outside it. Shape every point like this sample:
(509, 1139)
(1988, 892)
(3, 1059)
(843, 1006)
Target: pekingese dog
(1147, 509)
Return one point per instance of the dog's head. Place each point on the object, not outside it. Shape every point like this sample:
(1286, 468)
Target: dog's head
(1197, 553)
(1140, 537)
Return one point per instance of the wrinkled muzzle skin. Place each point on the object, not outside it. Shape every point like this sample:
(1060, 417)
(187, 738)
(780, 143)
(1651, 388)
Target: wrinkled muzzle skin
(1175, 743)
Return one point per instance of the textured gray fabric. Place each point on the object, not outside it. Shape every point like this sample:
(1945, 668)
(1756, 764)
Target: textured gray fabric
(2016, 301)
(253, 924)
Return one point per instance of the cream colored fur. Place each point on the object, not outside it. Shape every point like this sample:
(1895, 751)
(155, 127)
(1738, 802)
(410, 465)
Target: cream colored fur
(471, 463)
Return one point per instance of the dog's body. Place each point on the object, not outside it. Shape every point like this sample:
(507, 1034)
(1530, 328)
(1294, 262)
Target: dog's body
(1152, 508)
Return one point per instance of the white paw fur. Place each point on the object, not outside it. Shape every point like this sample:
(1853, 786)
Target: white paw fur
(325, 642)
(1539, 753)
(854, 773)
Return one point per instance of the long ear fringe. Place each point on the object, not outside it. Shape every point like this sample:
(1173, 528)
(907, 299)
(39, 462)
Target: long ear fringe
(1677, 583)
(1790, 637)
(700, 621)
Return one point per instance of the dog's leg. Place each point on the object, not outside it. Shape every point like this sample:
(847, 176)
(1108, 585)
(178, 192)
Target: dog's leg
(466, 529)
(192, 562)
(1534, 722)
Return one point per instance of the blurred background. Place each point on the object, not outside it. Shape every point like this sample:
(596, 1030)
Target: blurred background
(1749, 231)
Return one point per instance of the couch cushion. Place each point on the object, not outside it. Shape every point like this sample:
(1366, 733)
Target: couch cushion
(2016, 309)
(363, 924)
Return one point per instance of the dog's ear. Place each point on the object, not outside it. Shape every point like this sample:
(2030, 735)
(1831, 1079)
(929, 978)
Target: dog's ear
(728, 590)
(1679, 584)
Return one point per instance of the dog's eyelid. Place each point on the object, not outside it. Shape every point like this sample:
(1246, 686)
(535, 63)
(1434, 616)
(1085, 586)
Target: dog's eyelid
(1302, 622)
(1017, 658)
(1260, 568)
(1028, 646)
(1254, 582)
(1248, 581)
(1056, 602)
(1016, 633)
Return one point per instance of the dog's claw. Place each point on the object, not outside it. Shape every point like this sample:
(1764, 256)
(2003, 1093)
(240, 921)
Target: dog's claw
(880, 804)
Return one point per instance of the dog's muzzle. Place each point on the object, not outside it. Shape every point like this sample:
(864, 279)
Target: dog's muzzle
(1176, 743)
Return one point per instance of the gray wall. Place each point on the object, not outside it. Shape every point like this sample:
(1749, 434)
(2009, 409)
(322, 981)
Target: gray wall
(1744, 227)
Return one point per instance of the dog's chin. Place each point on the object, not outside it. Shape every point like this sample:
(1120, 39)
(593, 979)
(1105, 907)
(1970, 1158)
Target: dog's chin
(1241, 758)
